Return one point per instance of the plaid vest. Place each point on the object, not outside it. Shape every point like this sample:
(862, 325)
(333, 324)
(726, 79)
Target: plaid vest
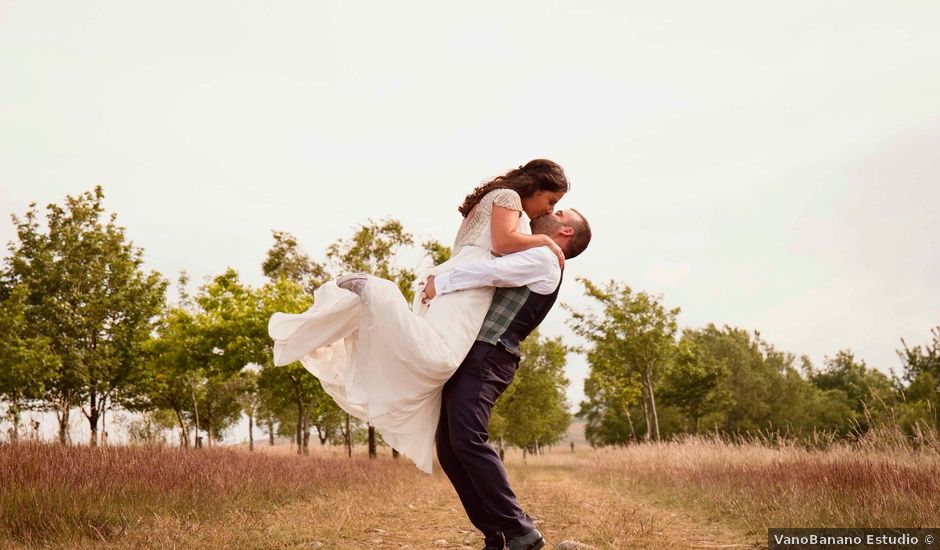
(514, 313)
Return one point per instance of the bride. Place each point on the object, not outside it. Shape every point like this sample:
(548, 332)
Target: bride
(386, 363)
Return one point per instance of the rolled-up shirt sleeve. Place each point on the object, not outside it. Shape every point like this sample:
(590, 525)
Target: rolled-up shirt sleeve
(536, 268)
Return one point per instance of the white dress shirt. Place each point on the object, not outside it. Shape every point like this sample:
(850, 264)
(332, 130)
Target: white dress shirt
(536, 268)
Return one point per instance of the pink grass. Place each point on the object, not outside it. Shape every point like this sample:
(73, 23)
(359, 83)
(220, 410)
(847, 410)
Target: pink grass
(756, 486)
(49, 492)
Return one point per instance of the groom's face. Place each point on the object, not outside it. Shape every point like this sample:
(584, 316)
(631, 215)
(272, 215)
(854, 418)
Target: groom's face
(552, 223)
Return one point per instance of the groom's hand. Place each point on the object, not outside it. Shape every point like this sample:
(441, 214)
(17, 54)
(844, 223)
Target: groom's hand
(429, 291)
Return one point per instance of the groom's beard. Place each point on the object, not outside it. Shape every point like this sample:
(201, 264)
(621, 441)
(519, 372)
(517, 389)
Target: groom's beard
(545, 225)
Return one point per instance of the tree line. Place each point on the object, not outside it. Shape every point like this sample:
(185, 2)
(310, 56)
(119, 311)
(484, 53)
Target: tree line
(84, 326)
(650, 381)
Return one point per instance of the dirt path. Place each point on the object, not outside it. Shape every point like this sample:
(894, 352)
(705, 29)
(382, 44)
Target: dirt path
(572, 506)
(420, 512)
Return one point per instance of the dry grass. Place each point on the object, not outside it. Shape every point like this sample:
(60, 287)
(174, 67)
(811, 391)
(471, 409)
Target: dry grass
(752, 486)
(696, 493)
(69, 493)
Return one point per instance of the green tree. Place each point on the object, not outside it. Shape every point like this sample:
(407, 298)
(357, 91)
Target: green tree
(26, 361)
(326, 416)
(436, 251)
(631, 342)
(271, 411)
(285, 260)
(695, 382)
(865, 390)
(805, 409)
(88, 294)
(219, 406)
(607, 412)
(231, 323)
(729, 379)
(749, 378)
(291, 387)
(173, 365)
(197, 357)
(373, 249)
(533, 410)
(249, 399)
(917, 360)
(290, 392)
(149, 427)
(919, 387)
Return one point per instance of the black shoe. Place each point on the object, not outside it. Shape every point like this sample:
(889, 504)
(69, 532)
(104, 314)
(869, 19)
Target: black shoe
(530, 541)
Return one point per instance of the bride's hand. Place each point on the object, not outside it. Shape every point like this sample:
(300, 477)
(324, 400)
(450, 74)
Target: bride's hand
(429, 291)
(556, 249)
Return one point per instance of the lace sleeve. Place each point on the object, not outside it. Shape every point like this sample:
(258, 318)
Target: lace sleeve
(507, 198)
(475, 228)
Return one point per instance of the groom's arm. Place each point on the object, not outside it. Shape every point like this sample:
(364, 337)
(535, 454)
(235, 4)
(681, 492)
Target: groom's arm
(536, 268)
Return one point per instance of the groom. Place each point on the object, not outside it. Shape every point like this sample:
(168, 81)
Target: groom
(529, 282)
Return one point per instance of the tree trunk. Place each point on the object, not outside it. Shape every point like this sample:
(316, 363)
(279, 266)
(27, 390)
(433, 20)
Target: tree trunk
(307, 414)
(646, 414)
(299, 432)
(92, 416)
(184, 433)
(251, 432)
(373, 453)
(322, 434)
(648, 380)
(197, 440)
(209, 424)
(104, 426)
(270, 432)
(62, 415)
(632, 428)
(13, 412)
(348, 435)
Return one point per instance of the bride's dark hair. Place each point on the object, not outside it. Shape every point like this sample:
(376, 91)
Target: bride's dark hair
(536, 175)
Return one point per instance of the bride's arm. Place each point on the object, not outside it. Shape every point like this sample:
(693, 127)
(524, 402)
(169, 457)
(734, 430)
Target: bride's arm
(506, 238)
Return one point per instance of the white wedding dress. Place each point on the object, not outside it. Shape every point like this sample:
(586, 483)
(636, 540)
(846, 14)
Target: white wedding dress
(384, 362)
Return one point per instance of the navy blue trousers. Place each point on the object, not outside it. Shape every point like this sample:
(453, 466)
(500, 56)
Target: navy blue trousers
(473, 466)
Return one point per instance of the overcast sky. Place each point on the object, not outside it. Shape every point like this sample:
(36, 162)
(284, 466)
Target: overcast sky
(771, 166)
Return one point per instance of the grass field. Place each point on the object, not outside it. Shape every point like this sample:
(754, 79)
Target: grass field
(697, 493)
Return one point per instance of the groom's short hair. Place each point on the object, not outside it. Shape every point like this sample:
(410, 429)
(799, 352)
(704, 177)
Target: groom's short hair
(581, 238)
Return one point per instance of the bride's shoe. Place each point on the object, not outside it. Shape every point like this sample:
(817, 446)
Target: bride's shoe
(353, 282)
